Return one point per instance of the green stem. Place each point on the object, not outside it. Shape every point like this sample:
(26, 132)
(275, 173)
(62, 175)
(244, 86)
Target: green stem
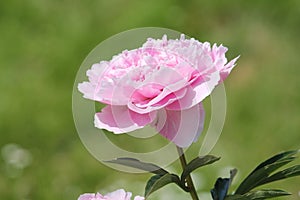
(189, 180)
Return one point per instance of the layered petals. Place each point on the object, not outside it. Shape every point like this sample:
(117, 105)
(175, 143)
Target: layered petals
(161, 83)
(119, 194)
(196, 92)
(116, 195)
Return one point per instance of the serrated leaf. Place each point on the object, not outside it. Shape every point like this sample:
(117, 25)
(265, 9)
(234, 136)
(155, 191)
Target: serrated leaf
(263, 171)
(287, 173)
(158, 181)
(135, 163)
(196, 163)
(265, 194)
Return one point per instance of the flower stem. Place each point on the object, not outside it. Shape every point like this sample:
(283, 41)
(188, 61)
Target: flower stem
(189, 180)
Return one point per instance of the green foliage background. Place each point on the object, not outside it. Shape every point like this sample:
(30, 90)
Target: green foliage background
(42, 44)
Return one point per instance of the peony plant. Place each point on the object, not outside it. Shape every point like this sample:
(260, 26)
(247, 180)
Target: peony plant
(163, 84)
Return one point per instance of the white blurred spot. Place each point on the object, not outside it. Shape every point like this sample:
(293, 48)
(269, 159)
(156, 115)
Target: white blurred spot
(16, 159)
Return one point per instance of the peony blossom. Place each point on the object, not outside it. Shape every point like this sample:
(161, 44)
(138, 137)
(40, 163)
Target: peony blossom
(116, 195)
(161, 84)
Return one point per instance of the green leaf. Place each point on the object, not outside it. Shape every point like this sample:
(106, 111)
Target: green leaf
(196, 163)
(259, 176)
(258, 195)
(263, 171)
(276, 158)
(287, 173)
(265, 194)
(134, 163)
(236, 197)
(158, 181)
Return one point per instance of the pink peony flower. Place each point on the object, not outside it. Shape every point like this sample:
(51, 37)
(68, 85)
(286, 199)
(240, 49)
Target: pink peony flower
(161, 84)
(116, 195)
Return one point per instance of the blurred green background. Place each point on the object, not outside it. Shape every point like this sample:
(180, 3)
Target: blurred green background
(43, 43)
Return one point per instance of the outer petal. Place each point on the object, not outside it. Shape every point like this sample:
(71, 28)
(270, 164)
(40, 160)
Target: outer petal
(118, 195)
(181, 127)
(87, 196)
(91, 196)
(119, 119)
(94, 89)
(196, 92)
(227, 68)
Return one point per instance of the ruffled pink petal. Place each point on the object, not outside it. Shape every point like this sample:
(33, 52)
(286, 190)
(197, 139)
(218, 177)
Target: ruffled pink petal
(102, 94)
(227, 68)
(127, 89)
(91, 196)
(88, 90)
(118, 195)
(119, 119)
(172, 88)
(97, 72)
(218, 55)
(196, 92)
(94, 89)
(181, 127)
(162, 88)
(158, 102)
